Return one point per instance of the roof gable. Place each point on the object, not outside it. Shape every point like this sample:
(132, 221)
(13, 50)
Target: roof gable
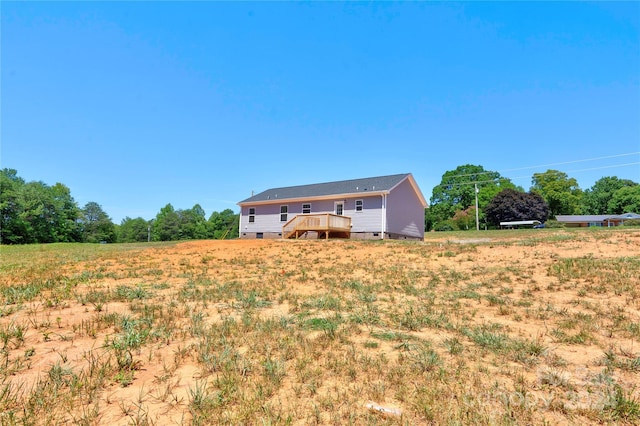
(364, 186)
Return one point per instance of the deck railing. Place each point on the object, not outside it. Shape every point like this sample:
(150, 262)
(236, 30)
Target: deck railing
(325, 222)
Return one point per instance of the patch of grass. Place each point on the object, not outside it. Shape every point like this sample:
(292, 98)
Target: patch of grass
(391, 336)
(424, 359)
(623, 405)
(327, 325)
(325, 302)
(128, 293)
(489, 339)
(453, 345)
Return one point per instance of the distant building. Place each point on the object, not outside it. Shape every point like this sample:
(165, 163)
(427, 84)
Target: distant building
(606, 220)
(368, 208)
(519, 223)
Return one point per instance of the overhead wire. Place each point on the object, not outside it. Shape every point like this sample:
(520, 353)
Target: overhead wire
(543, 166)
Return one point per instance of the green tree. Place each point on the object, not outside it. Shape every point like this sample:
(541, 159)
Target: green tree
(193, 225)
(511, 205)
(13, 227)
(562, 193)
(166, 227)
(596, 199)
(171, 224)
(465, 219)
(625, 200)
(133, 230)
(96, 225)
(221, 222)
(34, 212)
(456, 191)
(486, 193)
(66, 216)
(38, 213)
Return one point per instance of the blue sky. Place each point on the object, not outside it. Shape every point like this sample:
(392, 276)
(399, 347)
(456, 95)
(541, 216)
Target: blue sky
(138, 104)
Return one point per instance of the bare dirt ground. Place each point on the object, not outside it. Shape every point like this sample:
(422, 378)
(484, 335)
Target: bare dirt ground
(512, 329)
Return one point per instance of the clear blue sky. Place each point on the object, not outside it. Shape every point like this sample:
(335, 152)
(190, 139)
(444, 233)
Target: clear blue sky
(134, 105)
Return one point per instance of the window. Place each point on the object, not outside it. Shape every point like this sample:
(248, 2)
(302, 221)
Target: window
(252, 214)
(359, 204)
(339, 205)
(306, 208)
(283, 213)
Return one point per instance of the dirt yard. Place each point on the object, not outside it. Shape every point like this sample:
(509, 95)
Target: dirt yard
(514, 328)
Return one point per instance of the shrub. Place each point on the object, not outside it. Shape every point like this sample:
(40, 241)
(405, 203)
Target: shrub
(632, 222)
(447, 225)
(552, 223)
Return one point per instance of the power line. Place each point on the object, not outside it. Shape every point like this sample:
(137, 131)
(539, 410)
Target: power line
(575, 161)
(503, 178)
(589, 169)
(554, 164)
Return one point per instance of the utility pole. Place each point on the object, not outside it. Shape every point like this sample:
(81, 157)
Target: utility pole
(477, 221)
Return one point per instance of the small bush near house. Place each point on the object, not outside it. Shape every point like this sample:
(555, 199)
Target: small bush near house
(632, 222)
(552, 223)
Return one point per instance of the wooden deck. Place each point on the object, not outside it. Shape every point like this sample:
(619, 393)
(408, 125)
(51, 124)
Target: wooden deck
(326, 225)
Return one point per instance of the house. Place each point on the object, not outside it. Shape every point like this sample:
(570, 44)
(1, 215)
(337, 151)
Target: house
(369, 208)
(607, 220)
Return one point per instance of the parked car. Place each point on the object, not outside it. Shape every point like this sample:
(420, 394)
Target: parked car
(538, 226)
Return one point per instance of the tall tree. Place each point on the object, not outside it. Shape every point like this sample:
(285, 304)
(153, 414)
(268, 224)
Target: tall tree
(456, 191)
(133, 230)
(38, 213)
(67, 215)
(511, 205)
(625, 200)
(562, 193)
(221, 222)
(96, 224)
(34, 212)
(193, 225)
(596, 199)
(13, 227)
(166, 226)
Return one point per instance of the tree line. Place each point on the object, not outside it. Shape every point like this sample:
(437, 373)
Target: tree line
(34, 212)
(453, 201)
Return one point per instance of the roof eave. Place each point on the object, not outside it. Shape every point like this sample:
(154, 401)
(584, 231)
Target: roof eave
(319, 197)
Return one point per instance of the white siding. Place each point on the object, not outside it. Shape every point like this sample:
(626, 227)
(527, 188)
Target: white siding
(405, 213)
(267, 217)
(370, 218)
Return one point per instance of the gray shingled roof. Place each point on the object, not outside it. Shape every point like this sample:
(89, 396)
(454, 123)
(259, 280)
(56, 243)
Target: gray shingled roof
(581, 217)
(595, 217)
(377, 184)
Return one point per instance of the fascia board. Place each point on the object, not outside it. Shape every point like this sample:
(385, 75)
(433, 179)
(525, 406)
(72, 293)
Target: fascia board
(321, 197)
